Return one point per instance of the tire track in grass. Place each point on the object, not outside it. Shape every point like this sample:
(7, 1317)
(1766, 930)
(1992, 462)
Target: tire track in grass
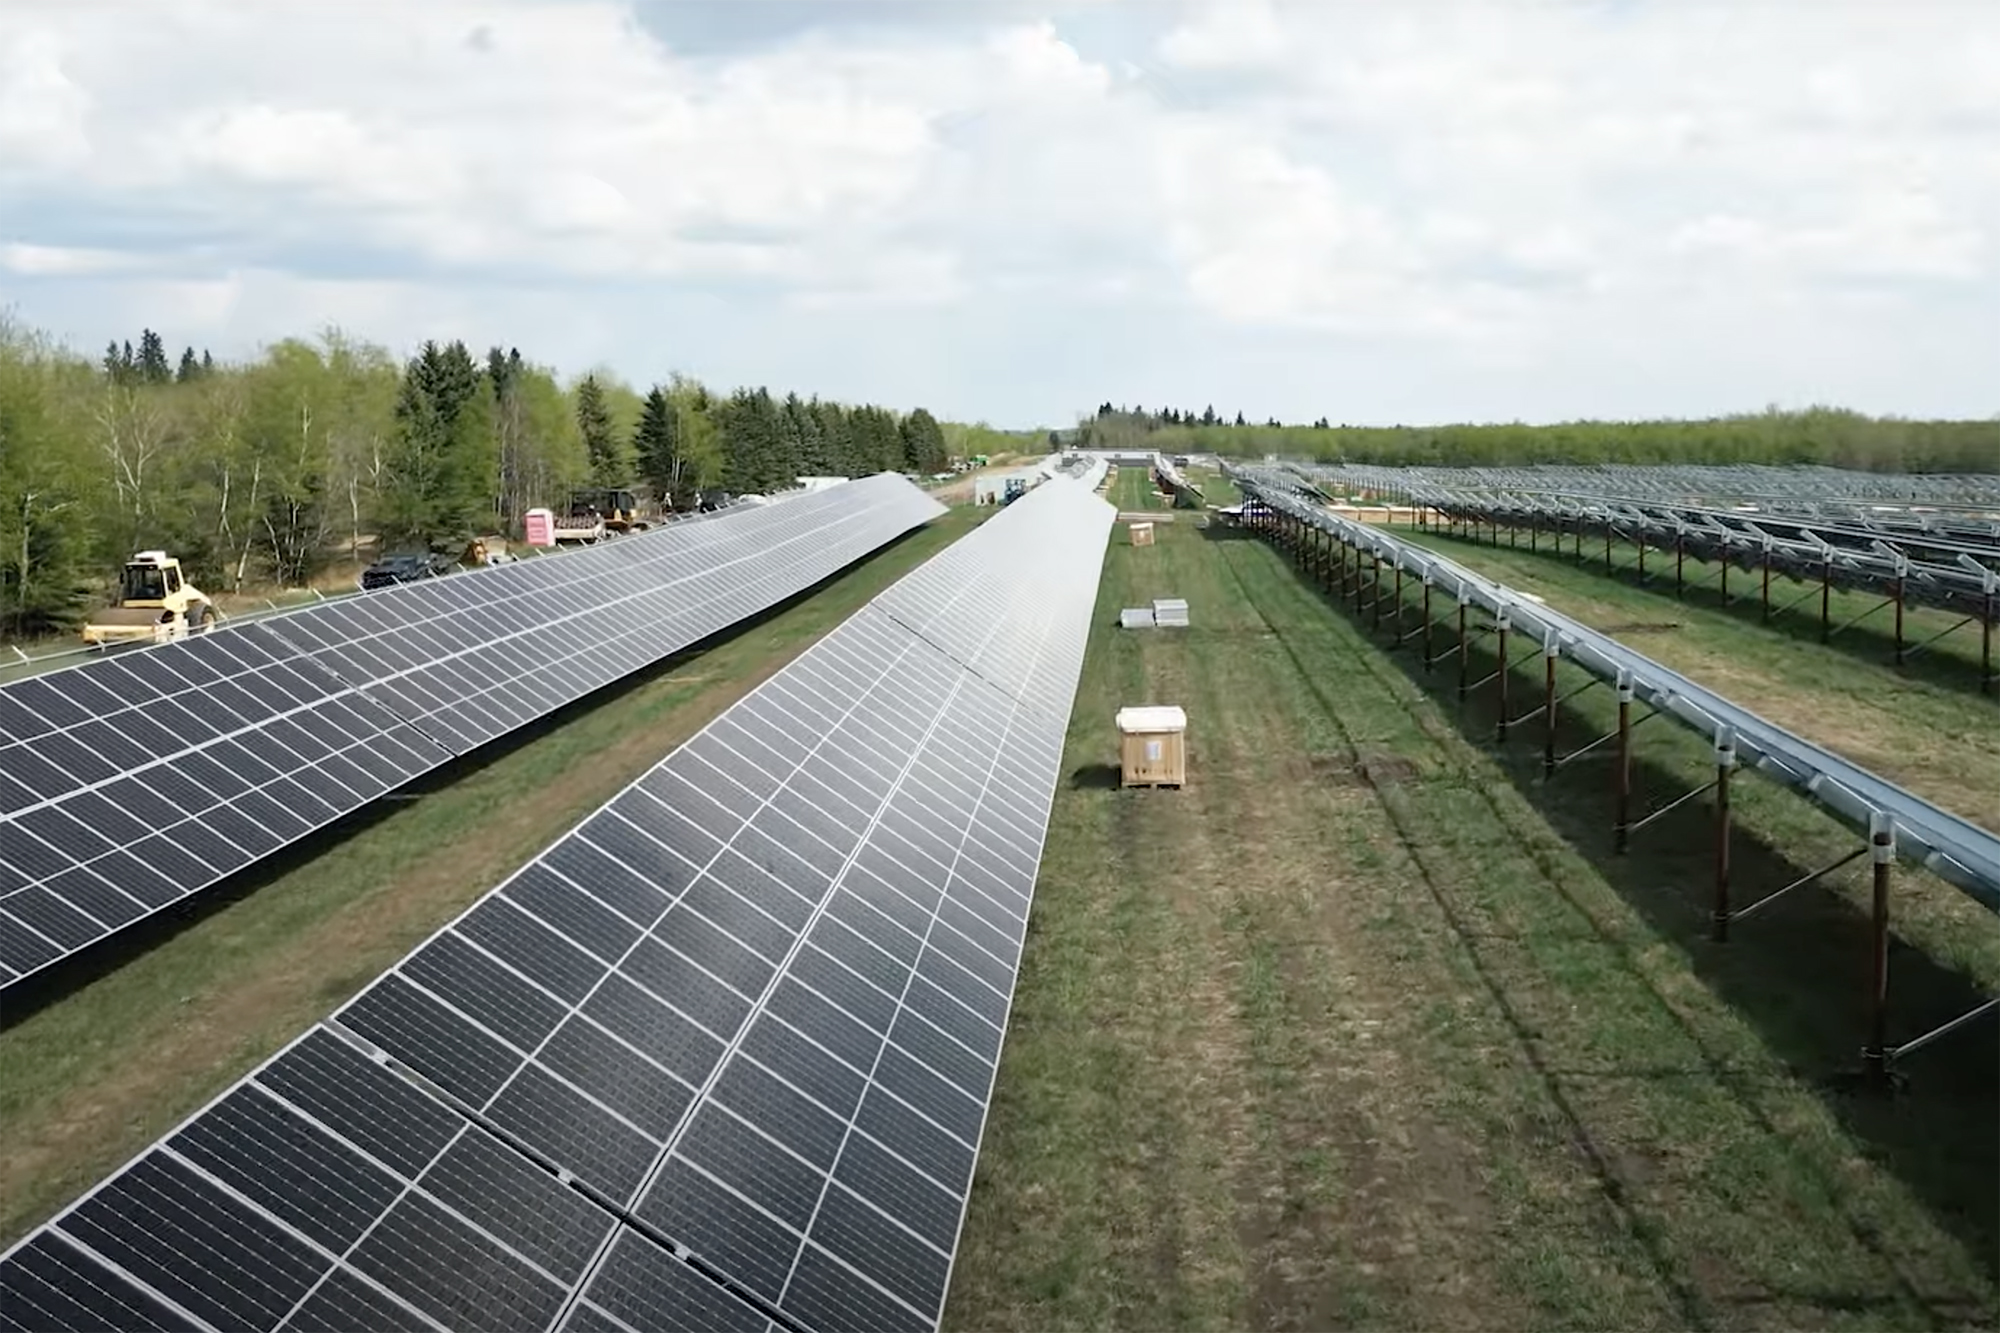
(1683, 1298)
(1790, 1143)
(1745, 1079)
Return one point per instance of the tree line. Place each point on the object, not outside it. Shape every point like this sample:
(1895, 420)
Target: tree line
(1832, 437)
(264, 472)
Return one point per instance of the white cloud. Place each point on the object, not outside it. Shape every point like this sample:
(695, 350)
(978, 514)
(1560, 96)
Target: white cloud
(41, 109)
(55, 261)
(1129, 198)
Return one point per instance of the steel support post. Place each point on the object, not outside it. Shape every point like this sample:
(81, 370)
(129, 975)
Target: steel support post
(1500, 627)
(1464, 639)
(1725, 574)
(1551, 648)
(1399, 603)
(1986, 647)
(1826, 600)
(1608, 566)
(1725, 760)
(1427, 623)
(1375, 595)
(1899, 619)
(1535, 534)
(1767, 583)
(1642, 558)
(1680, 565)
(1875, 1058)
(1621, 833)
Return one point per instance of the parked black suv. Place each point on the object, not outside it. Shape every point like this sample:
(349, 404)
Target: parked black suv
(405, 568)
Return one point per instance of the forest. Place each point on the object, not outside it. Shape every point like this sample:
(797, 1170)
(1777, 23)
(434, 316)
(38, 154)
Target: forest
(328, 449)
(1830, 436)
(263, 473)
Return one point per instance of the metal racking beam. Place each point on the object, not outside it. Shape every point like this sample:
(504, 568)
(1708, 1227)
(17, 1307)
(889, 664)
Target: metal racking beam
(1893, 820)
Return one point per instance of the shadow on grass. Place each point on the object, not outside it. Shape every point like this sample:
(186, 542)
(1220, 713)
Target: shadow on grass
(73, 973)
(1952, 661)
(1797, 972)
(1096, 777)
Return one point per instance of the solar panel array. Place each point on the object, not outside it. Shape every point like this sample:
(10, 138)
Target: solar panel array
(131, 781)
(718, 1058)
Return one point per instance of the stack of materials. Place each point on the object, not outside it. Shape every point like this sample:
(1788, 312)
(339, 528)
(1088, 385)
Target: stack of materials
(1170, 611)
(1136, 617)
(1142, 534)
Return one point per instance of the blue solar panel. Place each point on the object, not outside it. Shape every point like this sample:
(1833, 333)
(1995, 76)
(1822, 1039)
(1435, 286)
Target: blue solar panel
(720, 1056)
(132, 781)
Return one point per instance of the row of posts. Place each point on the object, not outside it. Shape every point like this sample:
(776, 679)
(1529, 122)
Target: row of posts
(1475, 525)
(1353, 573)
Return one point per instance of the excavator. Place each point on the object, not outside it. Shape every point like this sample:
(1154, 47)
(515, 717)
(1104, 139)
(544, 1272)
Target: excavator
(156, 604)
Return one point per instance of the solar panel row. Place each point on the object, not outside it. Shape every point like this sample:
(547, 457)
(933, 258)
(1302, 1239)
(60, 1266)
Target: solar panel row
(720, 1057)
(129, 782)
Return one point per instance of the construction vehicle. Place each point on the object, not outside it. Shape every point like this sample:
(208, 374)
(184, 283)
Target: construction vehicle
(156, 604)
(601, 512)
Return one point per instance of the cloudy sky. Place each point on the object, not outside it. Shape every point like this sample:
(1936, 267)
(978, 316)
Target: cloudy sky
(1014, 209)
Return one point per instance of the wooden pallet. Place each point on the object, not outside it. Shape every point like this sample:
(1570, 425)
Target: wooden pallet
(1151, 786)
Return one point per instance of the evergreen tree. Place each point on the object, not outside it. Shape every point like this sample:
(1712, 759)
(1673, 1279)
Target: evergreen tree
(1208, 415)
(128, 369)
(655, 442)
(1239, 419)
(803, 437)
(756, 459)
(207, 362)
(153, 366)
(435, 492)
(189, 367)
(114, 365)
(610, 464)
(923, 442)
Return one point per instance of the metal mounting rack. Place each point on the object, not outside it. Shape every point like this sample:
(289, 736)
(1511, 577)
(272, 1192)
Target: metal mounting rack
(1350, 559)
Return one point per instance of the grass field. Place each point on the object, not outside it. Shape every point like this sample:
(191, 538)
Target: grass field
(1366, 1026)
(102, 1059)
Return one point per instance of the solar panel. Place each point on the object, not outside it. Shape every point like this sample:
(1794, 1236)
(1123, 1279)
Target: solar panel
(719, 1057)
(128, 782)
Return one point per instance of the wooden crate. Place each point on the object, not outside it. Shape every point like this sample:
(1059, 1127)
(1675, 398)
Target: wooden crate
(1142, 534)
(1152, 744)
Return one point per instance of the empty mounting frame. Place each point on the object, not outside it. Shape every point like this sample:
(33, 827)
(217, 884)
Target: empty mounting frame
(129, 782)
(719, 1057)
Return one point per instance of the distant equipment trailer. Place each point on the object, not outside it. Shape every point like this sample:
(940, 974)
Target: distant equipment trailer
(601, 512)
(156, 604)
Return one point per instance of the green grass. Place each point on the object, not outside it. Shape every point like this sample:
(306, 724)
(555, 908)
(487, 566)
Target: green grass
(101, 1070)
(1216, 488)
(1133, 490)
(1367, 1027)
